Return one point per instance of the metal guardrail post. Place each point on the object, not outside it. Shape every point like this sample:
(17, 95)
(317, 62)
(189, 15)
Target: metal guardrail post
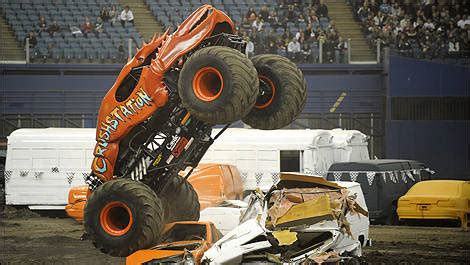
(320, 50)
(129, 48)
(27, 50)
(349, 50)
(378, 50)
(372, 135)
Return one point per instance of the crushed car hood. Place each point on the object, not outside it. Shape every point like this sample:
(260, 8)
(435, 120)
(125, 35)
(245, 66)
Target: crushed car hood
(301, 218)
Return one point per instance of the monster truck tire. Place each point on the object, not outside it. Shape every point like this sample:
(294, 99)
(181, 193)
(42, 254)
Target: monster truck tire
(180, 201)
(218, 85)
(283, 92)
(122, 216)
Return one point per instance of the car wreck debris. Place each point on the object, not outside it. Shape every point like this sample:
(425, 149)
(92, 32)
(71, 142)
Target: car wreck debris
(302, 219)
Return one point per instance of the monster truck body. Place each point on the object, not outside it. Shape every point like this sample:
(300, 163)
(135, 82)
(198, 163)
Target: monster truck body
(124, 107)
(157, 120)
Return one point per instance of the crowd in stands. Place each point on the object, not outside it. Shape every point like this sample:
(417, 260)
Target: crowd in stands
(421, 29)
(65, 31)
(60, 30)
(429, 29)
(110, 16)
(292, 29)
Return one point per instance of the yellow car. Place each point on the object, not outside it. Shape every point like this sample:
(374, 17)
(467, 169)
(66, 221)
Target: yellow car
(437, 199)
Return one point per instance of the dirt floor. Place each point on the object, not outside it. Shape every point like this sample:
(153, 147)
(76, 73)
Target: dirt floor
(27, 238)
(418, 245)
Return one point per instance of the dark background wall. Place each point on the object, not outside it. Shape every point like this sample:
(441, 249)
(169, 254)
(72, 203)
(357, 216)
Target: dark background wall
(70, 95)
(410, 109)
(428, 115)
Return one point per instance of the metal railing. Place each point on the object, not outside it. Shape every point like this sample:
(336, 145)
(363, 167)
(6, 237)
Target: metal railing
(381, 52)
(27, 49)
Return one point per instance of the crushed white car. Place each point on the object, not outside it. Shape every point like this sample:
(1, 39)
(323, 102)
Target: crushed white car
(225, 216)
(302, 218)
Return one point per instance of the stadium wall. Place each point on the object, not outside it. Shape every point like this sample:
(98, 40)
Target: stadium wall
(67, 95)
(428, 115)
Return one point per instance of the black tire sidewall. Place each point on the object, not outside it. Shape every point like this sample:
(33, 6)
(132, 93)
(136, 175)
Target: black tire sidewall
(290, 95)
(182, 197)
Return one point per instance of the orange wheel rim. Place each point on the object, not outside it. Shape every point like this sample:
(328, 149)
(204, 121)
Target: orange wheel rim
(268, 91)
(208, 84)
(116, 218)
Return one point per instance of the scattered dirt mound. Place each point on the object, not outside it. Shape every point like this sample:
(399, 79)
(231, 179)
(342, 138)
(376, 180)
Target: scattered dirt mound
(12, 213)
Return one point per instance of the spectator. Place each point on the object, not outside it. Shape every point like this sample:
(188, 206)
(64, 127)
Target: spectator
(87, 26)
(279, 24)
(403, 44)
(454, 45)
(104, 14)
(33, 41)
(385, 7)
(396, 10)
(322, 10)
(290, 14)
(113, 15)
(342, 48)
(272, 48)
(374, 7)
(264, 13)
(99, 25)
(121, 54)
(273, 19)
(245, 24)
(42, 24)
(293, 49)
(313, 19)
(257, 39)
(424, 29)
(127, 16)
(250, 15)
(330, 45)
(363, 11)
(429, 25)
(250, 48)
(75, 31)
(281, 48)
(464, 23)
(257, 24)
(379, 19)
(53, 28)
(306, 52)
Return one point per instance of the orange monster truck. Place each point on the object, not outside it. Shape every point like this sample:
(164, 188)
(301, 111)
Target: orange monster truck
(156, 120)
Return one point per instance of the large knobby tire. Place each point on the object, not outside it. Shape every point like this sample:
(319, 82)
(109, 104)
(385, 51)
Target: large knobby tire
(122, 216)
(180, 201)
(283, 92)
(218, 85)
